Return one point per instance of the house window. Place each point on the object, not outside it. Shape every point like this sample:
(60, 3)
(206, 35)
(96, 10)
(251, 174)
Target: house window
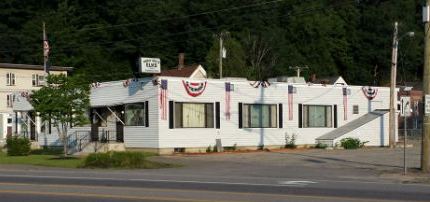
(355, 109)
(259, 116)
(37, 80)
(9, 100)
(317, 116)
(135, 114)
(10, 79)
(194, 115)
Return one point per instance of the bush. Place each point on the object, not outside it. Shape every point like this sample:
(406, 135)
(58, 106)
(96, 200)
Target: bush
(320, 146)
(351, 143)
(290, 143)
(18, 146)
(119, 160)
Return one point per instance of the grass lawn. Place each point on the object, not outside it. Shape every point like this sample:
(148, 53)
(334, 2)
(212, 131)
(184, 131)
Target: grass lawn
(41, 160)
(52, 158)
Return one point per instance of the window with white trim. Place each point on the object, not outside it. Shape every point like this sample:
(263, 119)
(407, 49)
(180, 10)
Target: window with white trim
(37, 80)
(10, 79)
(317, 116)
(194, 115)
(259, 116)
(9, 100)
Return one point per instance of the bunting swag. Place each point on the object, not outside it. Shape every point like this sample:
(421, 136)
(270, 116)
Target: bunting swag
(345, 103)
(227, 100)
(290, 102)
(257, 84)
(163, 99)
(194, 88)
(369, 92)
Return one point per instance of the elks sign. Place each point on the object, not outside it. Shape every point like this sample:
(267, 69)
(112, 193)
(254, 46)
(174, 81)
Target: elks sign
(149, 65)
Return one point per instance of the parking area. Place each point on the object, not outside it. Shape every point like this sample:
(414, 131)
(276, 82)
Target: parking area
(367, 164)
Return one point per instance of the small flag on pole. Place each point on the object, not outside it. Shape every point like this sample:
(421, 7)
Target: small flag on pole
(224, 52)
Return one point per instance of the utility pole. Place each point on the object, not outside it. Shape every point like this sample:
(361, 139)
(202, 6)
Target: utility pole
(221, 50)
(299, 69)
(425, 149)
(393, 96)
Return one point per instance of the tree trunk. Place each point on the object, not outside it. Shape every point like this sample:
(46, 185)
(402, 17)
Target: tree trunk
(64, 144)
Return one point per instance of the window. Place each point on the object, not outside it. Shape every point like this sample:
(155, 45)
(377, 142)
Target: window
(37, 80)
(355, 109)
(135, 114)
(9, 100)
(317, 116)
(259, 116)
(194, 115)
(10, 79)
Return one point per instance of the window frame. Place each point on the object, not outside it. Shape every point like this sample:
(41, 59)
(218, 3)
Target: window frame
(10, 79)
(177, 125)
(306, 116)
(246, 115)
(144, 114)
(10, 98)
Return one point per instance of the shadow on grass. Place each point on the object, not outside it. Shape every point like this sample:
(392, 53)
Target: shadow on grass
(64, 158)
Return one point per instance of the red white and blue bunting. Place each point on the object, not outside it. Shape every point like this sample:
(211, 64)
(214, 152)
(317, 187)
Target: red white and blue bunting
(345, 103)
(194, 88)
(369, 92)
(257, 84)
(228, 89)
(163, 99)
(290, 101)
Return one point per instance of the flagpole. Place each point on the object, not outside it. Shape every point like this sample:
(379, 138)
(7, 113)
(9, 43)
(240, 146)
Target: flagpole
(45, 51)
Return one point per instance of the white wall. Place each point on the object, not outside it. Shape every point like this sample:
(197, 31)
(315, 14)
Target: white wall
(274, 94)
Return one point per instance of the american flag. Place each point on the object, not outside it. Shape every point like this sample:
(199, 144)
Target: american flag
(290, 102)
(345, 103)
(227, 100)
(45, 48)
(163, 99)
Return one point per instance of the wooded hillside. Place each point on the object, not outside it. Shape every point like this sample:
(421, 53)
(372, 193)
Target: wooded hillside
(103, 39)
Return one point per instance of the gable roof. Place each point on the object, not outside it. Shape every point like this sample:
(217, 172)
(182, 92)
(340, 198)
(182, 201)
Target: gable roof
(186, 71)
(34, 67)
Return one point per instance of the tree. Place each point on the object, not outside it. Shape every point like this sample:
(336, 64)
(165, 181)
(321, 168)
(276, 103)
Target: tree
(64, 101)
(234, 63)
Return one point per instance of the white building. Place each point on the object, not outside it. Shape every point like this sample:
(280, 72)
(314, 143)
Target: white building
(166, 114)
(17, 80)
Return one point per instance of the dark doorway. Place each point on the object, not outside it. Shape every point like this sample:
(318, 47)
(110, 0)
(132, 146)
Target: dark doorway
(32, 127)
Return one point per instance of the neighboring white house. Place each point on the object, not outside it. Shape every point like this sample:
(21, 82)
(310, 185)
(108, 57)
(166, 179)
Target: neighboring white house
(17, 80)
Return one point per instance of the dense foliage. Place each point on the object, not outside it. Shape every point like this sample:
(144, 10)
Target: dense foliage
(103, 39)
(121, 160)
(64, 102)
(17, 146)
(351, 143)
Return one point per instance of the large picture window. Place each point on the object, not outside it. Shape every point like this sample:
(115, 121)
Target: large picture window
(317, 116)
(194, 115)
(135, 114)
(259, 116)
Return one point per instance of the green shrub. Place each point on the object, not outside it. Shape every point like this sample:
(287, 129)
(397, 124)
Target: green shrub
(290, 142)
(209, 149)
(18, 146)
(320, 146)
(115, 160)
(351, 143)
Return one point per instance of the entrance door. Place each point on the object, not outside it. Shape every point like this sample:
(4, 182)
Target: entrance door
(119, 132)
(32, 127)
(9, 132)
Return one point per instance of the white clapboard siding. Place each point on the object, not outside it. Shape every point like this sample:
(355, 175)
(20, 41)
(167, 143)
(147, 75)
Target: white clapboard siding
(141, 136)
(277, 93)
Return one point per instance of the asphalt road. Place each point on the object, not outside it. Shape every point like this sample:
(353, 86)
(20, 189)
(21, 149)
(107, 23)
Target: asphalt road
(309, 175)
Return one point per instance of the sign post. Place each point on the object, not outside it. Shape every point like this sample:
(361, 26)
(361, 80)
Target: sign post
(405, 111)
